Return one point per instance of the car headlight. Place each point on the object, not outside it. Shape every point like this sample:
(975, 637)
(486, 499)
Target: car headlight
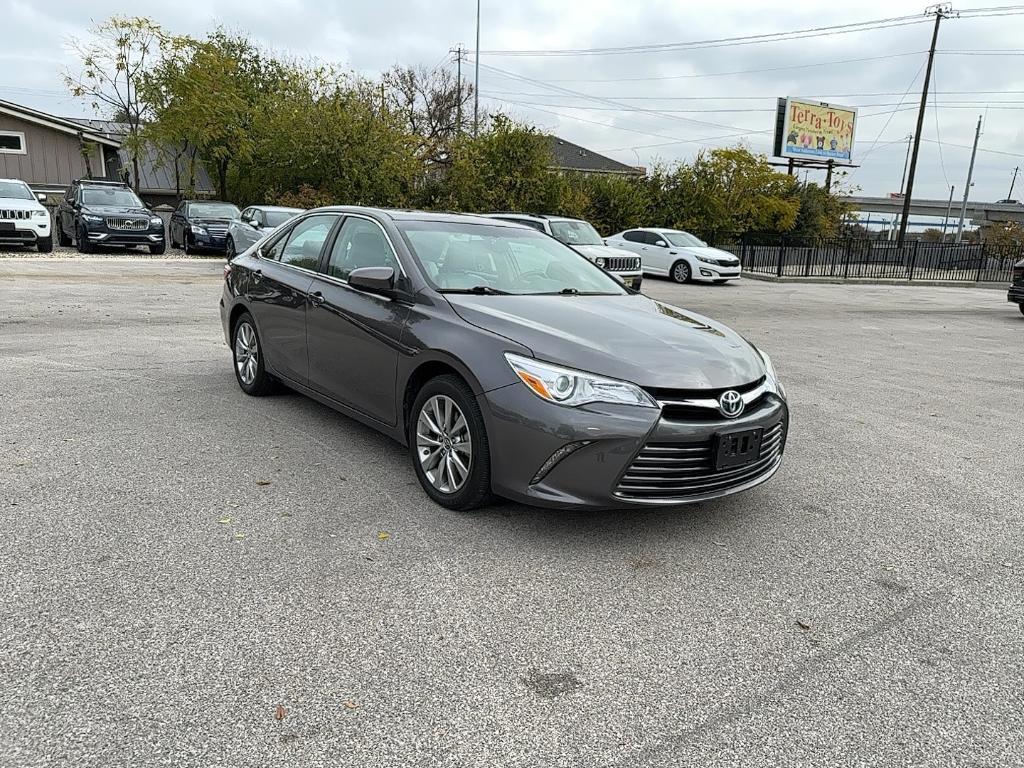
(197, 230)
(92, 218)
(566, 386)
(41, 214)
(156, 221)
(773, 376)
(600, 261)
(707, 259)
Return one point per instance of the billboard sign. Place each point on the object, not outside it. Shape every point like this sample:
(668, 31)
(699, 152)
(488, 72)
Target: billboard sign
(813, 130)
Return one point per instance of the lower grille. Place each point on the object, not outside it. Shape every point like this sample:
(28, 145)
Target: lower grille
(664, 471)
(9, 214)
(134, 225)
(217, 230)
(622, 264)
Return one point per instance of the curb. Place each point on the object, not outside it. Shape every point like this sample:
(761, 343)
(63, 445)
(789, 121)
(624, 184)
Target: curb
(876, 281)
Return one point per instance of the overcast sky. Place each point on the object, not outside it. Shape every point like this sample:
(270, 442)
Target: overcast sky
(370, 36)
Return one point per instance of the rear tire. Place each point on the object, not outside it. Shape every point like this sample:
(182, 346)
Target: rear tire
(247, 355)
(45, 244)
(62, 239)
(680, 272)
(229, 249)
(431, 444)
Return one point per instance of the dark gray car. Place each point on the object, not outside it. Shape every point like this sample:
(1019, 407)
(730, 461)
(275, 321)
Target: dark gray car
(507, 362)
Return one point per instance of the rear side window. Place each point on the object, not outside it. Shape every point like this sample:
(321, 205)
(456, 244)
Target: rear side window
(633, 236)
(305, 241)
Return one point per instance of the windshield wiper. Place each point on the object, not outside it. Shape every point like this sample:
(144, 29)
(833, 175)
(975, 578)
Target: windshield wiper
(482, 290)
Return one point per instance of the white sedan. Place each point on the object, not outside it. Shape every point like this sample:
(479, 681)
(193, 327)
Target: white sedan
(677, 255)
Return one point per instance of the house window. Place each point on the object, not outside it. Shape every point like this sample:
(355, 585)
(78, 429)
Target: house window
(12, 142)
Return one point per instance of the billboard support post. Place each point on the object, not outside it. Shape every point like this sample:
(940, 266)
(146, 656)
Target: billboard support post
(828, 177)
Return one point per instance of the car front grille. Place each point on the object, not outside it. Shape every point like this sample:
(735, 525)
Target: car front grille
(8, 214)
(622, 263)
(217, 230)
(666, 471)
(1018, 276)
(702, 404)
(133, 225)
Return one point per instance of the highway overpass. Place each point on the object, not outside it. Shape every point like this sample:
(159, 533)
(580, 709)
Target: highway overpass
(976, 212)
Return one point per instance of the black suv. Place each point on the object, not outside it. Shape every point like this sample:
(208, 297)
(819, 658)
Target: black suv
(101, 213)
(1016, 294)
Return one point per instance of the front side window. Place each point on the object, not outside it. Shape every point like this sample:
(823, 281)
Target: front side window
(575, 233)
(305, 241)
(116, 196)
(482, 258)
(15, 190)
(360, 243)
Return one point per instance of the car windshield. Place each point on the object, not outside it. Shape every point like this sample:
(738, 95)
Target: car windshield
(277, 218)
(213, 211)
(492, 259)
(110, 196)
(684, 240)
(575, 233)
(15, 190)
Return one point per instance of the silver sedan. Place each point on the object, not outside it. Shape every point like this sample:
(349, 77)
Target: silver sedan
(255, 223)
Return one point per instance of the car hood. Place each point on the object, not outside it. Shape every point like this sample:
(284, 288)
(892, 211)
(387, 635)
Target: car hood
(17, 204)
(633, 338)
(711, 253)
(604, 251)
(116, 210)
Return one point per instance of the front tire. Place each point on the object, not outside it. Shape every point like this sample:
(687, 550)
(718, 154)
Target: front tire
(680, 272)
(62, 239)
(159, 249)
(84, 246)
(448, 444)
(184, 245)
(229, 249)
(247, 353)
(45, 244)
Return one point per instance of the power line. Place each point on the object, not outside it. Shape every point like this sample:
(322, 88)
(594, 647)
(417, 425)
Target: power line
(862, 26)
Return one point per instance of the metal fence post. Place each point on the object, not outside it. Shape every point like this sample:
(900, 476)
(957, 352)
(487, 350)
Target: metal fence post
(743, 250)
(807, 261)
(981, 263)
(782, 252)
(913, 259)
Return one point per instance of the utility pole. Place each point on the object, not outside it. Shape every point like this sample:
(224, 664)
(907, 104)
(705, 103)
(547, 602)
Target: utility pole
(458, 68)
(476, 76)
(1013, 181)
(940, 11)
(967, 189)
(903, 176)
(949, 207)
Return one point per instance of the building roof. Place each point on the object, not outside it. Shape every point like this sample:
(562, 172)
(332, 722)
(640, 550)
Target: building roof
(573, 157)
(62, 124)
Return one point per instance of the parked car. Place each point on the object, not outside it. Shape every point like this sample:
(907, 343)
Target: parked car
(677, 255)
(23, 218)
(506, 363)
(1016, 293)
(107, 213)
(201, 225)
(581, 236)
(255, 223)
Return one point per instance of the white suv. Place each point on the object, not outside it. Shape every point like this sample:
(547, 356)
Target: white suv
(23, 219)
(583, 238)
(677, 255)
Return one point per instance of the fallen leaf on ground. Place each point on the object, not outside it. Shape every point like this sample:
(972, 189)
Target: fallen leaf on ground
(802, 625)
(224, 520)
(349, 704)
(280, 712)
(383, 535)
(718, 543)
(262, 482)
(239, 535)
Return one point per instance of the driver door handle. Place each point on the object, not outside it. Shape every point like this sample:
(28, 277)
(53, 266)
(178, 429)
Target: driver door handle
(316, 298)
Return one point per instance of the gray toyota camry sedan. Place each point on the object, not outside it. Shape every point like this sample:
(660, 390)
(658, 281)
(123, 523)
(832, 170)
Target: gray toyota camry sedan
(507, 363)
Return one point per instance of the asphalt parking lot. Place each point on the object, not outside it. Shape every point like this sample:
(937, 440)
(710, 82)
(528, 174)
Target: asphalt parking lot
(193, 577)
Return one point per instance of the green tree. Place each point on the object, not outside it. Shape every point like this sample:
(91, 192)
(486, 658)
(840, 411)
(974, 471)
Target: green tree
(820, 214)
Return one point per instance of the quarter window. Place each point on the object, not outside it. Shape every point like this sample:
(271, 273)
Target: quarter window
(306, 240)
(360, 243)
(12, 142)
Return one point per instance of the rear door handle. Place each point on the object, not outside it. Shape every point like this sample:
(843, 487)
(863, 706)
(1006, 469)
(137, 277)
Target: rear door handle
(316, 298)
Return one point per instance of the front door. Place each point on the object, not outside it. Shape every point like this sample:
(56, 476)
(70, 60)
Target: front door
(278, 294)
(353, 336)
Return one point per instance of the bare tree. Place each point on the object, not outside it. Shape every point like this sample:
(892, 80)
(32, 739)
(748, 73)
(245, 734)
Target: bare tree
(431, 103)
(114, 59)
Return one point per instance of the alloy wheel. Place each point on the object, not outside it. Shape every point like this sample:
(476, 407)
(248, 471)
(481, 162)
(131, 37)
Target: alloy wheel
(444, 444)
(246, 353)
(681, 272)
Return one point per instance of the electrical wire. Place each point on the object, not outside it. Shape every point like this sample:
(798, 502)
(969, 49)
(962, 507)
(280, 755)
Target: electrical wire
(882, 130)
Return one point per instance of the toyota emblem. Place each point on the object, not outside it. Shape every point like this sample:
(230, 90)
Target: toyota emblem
(731, 404)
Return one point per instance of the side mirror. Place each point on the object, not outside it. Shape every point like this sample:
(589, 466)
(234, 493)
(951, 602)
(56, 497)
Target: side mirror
(41, 198)
(380, 280)
(661, 244)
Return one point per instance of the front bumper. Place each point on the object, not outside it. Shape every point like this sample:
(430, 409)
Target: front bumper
(704, 271)
(101, 234)
(630, 279)
(1016, 294)
(525, 431)
(209, 242)
(24, 232)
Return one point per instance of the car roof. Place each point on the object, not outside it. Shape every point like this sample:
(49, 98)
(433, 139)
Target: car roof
(20, 181)
(276, 208)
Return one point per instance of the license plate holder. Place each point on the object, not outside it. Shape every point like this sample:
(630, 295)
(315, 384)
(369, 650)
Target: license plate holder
(736, 449)
(6, 226)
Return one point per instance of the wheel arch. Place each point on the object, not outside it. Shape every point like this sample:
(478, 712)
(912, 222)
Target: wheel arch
(430, 365)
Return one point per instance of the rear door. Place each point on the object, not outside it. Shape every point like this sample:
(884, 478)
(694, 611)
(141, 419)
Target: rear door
(353, 336)
(278, 293)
